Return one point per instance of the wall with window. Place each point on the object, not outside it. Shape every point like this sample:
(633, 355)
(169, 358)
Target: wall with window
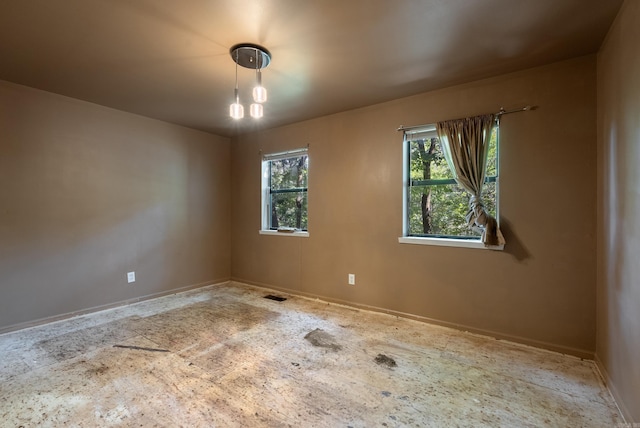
(88, 193)
(539, 290)
(618, 338)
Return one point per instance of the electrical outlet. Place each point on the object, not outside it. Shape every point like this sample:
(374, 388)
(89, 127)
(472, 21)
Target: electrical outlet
(131, 277)
(352, 279)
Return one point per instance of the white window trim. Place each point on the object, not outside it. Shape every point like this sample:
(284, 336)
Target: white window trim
(265, 213)
(297, 233)
(448, 242)
(428, 240)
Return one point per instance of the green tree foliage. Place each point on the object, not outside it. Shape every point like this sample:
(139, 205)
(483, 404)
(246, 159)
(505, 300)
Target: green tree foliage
(439, 207)
(288, 198)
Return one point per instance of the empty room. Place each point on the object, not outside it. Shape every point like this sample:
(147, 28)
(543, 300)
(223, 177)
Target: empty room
(418, 213)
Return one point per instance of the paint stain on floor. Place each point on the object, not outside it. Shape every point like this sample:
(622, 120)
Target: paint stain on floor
(383, 360)
(322, 339)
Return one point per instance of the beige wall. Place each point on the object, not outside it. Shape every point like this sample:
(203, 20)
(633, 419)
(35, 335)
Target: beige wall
(88, 193)
(618, 338)
(541, 289)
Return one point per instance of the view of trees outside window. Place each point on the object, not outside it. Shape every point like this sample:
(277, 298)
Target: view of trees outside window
(288, 192)
(437, 206)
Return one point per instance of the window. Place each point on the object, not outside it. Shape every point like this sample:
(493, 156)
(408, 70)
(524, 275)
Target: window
(284, 196)
(435, 206)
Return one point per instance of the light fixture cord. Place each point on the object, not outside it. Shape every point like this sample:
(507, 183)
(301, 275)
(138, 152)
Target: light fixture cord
(235, 91)
(255, 52)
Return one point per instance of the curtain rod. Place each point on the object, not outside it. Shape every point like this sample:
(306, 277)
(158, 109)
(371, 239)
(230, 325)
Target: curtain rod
(283, 154)
(498, 114)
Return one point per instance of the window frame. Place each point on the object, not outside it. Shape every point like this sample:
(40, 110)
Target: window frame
(407, 182)
(265, 227)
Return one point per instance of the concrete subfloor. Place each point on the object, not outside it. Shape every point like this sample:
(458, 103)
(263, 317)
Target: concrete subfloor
(225, 356)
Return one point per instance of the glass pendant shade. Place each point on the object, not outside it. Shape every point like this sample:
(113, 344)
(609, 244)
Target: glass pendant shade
(259, 94)
(236, 111)
(256, 110)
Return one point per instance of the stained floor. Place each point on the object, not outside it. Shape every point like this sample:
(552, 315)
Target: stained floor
(225, 356)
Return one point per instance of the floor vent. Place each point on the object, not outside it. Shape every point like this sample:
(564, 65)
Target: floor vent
(276, 298)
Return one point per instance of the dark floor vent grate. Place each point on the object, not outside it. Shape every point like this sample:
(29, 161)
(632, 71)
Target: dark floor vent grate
(276, 298)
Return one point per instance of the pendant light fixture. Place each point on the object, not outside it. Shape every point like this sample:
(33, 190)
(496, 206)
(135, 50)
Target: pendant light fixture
(236, 110)
(254, 57)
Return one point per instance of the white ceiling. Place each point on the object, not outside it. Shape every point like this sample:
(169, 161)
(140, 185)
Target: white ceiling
(169, 59)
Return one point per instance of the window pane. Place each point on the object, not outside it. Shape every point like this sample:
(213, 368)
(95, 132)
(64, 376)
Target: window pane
(426, 160)
(439, 210)
(289, 210)
(289, 173)
(492, 159)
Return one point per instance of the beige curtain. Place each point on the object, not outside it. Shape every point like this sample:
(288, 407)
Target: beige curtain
(465, 144)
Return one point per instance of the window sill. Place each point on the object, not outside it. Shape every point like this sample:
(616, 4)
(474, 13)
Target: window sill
(447, 242)
(297, 234)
